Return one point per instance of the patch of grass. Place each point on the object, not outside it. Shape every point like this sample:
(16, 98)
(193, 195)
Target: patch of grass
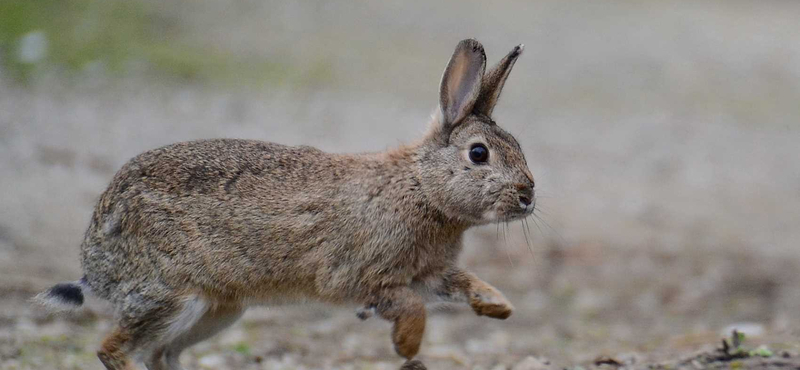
(734, 347)
(76, 32)
(762, 351)
(242, 348)
(204, 65)
(116, 36)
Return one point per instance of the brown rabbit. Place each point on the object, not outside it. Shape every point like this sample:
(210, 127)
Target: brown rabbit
(188, 236)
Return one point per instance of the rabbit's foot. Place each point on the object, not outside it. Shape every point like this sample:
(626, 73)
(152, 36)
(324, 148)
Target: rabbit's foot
(406, 310)
(413, 365)
(488, 301)
(407, 334)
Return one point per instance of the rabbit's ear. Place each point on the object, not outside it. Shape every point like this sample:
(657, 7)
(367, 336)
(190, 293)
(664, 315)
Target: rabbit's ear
(493, 82)
(461, 83)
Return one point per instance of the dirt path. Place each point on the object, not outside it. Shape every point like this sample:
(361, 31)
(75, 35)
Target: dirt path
(334, 339)
(573, 312)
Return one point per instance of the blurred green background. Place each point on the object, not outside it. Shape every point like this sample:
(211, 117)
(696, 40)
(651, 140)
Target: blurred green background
(663, 136)
(119, 38)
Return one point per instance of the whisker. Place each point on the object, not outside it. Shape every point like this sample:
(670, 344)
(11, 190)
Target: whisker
(525, 233)
(540, 207)
(506, 223)
(527, 226)
(542, 210)
(505, 242)
(508, 227)
(550, 227)
(537, 224)
(546, 193)
(505, 230)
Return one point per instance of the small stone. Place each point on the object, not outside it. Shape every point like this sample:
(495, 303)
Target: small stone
(530, 363)
(449, 352)
(383, 366)
(211, 362)
(233, 336)
(628, 358)
(495, 343)
(606, 360)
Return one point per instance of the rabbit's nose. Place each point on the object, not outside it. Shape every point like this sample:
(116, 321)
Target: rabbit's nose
(525, 194)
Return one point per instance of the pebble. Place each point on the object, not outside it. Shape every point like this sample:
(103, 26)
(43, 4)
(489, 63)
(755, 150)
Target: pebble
(211, 362)
(495, 343)
(531, 363)
(233, 336)
(449, 352)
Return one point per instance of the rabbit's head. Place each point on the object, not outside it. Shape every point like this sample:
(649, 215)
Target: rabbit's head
(476, 170)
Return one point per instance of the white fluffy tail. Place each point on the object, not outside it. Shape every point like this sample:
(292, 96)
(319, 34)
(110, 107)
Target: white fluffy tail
(63, 297)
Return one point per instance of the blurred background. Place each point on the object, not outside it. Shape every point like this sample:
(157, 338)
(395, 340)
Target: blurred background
(664, 137)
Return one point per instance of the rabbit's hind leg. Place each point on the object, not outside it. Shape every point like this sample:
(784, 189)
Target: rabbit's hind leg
(142, 322)
(214, 320)
(154, 360)
(115, 351)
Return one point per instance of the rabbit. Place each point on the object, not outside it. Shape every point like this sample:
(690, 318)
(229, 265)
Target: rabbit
(188, 236)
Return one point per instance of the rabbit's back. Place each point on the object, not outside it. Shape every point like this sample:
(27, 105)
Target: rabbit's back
(220, 216)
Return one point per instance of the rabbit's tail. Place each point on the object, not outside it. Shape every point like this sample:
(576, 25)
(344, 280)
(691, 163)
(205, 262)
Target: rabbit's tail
(63, 297)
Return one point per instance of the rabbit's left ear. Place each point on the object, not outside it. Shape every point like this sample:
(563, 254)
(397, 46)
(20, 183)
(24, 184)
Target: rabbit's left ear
(493, 82)
(461, 83)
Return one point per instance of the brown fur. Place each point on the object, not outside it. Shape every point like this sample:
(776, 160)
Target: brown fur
(188, 235)
(111, 352)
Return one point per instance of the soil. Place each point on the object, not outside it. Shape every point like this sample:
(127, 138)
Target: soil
(576, 308)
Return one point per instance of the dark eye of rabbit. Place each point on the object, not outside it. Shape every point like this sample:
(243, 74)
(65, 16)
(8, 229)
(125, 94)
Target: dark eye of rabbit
(478, 153)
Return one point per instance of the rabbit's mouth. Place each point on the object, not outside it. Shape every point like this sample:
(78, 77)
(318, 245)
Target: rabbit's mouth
(507, 204)
(527, 208)
(509, 211)
(521, 211)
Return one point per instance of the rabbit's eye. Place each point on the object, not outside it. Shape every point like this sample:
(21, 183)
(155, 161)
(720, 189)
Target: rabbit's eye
(478, 153)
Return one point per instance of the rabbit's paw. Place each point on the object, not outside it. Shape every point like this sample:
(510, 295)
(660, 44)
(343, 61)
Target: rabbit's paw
(488, 301)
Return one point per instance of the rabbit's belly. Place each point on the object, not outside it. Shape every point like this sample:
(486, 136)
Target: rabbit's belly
(282, 299)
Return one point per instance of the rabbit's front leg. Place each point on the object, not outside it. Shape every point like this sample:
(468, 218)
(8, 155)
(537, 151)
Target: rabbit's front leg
(406, 309)
(459, 285)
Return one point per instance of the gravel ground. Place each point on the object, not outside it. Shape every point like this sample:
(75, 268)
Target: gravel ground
(663, 137)
(583, 306)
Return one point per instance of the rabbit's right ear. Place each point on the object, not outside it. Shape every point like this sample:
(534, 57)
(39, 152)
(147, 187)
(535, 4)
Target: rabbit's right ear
(461, 83)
